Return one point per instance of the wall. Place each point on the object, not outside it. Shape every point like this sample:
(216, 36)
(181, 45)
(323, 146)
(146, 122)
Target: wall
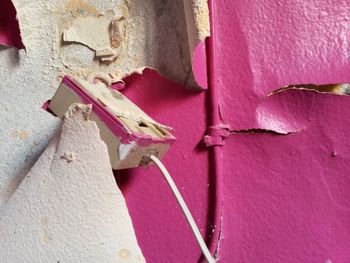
(285, 195)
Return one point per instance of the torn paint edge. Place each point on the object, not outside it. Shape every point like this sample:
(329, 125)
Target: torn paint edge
(198, 24)
(199, 65)
(196, 35)
(342, 89)
(10, 33)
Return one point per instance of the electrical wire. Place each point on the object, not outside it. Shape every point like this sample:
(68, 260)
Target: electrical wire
(215, 119)
(184, 208)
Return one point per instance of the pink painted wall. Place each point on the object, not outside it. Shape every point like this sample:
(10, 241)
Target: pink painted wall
(160, 226)
(285, 196)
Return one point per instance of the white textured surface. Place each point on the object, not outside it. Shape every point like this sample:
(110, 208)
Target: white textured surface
(29, 78)
(69, 210)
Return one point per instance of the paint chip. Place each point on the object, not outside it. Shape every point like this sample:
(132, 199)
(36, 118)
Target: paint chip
(124, 254)
(23, 135)
(101, 33)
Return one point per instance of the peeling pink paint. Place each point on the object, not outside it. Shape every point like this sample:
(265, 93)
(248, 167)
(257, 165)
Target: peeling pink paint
(160, 226)
(285, 112)
(265, 45)
(285, 197)
(199, 65)
(9, 29)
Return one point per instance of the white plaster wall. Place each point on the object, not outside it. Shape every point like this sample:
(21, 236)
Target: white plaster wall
(29, 78)
(68, 208)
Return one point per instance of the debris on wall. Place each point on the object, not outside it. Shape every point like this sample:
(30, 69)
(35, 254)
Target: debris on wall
(121, 122)
(101, 33)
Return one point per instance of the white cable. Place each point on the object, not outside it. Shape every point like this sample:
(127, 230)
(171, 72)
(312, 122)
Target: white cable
(185, 210)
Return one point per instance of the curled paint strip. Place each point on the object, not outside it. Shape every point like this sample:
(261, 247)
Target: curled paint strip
(216, 135)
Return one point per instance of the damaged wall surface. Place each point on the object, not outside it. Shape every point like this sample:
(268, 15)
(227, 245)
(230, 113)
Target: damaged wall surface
(68, 208)
(285, 196)
(29, 77)
(153, 33)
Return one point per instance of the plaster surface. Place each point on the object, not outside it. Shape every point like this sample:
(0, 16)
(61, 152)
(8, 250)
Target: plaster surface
(68, 208)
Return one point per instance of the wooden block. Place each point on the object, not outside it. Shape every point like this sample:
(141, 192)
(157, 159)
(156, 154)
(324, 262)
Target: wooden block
(130, 134)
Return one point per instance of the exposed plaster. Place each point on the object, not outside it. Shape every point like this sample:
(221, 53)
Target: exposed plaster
(69, 211)
(156, 34)
(153, 33)
(197, 18)
(102, 33)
